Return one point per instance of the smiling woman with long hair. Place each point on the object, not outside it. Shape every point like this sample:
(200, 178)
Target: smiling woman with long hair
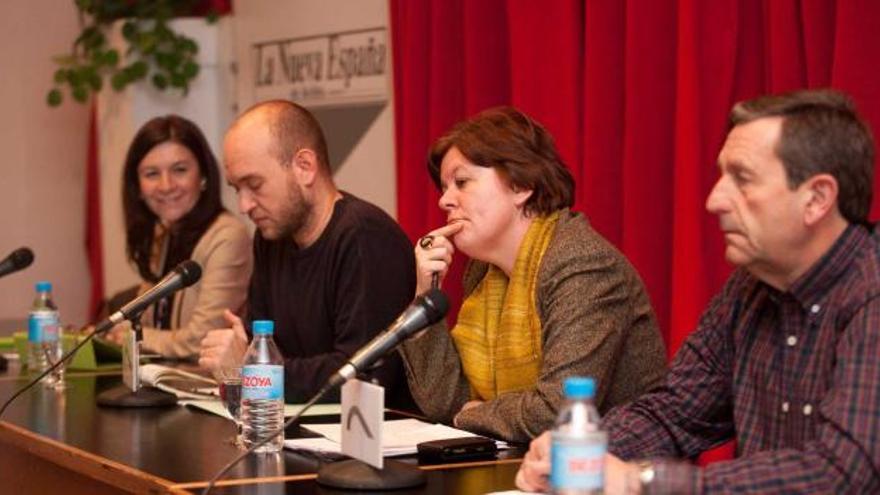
(546, 297)
(171, 200)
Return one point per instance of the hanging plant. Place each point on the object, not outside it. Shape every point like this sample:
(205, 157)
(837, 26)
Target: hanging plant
(153, 50)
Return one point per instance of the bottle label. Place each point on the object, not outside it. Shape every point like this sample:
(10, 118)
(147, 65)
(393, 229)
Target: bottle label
(577, 464)
(262, 381)
(43, 326)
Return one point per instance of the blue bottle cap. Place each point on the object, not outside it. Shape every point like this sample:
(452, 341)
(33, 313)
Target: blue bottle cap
(263, 327)
(44, 286)
(579, 387)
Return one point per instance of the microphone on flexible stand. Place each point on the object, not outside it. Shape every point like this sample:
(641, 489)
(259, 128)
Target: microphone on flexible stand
(19, 259)
(427, 309)
(131, 394)
(184, 275)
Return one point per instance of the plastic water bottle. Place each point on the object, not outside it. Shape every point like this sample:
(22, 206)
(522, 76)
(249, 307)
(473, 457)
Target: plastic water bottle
(577, 452)
(262, 390)
(44, 336)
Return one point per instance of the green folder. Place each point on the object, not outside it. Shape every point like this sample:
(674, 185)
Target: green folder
(97, 354)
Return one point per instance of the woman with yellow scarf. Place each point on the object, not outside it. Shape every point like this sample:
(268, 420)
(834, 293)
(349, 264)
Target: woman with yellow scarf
(546, 297)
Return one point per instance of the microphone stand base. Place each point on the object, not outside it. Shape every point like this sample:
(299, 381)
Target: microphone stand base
(122, 396)
(356, 475)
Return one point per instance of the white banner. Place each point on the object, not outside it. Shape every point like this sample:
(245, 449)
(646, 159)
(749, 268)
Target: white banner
(330, 69)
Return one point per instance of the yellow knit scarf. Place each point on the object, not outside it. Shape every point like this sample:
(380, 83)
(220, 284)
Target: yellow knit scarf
(498, 332)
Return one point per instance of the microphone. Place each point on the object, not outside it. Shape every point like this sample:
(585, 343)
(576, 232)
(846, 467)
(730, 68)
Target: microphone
(426, 310)
(183, 275)
(20, 259)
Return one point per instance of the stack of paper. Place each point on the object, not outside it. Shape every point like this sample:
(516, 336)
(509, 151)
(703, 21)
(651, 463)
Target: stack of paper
(399, 437)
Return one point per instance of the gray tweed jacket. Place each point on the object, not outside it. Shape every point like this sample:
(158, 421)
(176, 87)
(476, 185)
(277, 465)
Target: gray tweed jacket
(596, 321)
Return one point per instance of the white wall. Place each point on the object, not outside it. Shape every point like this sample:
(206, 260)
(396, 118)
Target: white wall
(42, 168)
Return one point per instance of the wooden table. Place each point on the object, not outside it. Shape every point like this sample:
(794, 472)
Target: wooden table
(62, 442)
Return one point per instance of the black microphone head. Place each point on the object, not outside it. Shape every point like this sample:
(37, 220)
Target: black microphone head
(190, 272)
(436, 305)
(22, 258)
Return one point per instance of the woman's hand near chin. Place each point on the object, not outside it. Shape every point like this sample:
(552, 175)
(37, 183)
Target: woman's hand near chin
(434, 255)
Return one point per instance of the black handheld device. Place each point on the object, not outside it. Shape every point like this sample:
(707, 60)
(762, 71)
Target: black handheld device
(456, 450)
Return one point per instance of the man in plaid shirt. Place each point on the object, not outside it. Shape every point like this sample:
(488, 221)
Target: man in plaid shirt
(786, 358)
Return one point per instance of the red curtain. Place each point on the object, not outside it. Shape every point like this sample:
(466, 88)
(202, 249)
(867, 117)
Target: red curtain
(636, 93)
(94, 238)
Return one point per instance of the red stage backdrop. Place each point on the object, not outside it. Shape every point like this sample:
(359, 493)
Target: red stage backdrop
(636, 93)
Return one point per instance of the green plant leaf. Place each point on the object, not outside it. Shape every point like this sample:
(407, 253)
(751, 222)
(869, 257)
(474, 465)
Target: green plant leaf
(162, 60)
(111, 57)
(96, 40)
(66, 59)
(80, 94)
(160, 81)
(73, 77)
(190, 69)
(54, 97)
(87, 73)
(177, 80)
(146, 42)
(85, 36)
(188, 45)
(174, 60)
(129, 30)
(151, 45)
(162, 31)
(139, 69)
(119, 81)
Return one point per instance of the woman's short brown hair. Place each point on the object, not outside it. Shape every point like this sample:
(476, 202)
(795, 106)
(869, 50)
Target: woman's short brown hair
(519, 148)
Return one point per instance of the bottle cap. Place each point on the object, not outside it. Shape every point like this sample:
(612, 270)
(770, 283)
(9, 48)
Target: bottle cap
(579, 387)
(44, 286)
(263, 327)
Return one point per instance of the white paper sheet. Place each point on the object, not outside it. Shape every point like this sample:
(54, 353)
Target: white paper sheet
(399, 437)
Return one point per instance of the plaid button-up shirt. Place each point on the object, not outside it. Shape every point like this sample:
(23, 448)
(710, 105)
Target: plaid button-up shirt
(793, 376)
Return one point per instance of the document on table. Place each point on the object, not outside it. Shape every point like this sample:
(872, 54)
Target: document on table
(216, 407)
(399, 437)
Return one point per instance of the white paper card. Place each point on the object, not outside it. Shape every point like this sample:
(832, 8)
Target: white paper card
(361, 421)
(399, 436)
(130, 361)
